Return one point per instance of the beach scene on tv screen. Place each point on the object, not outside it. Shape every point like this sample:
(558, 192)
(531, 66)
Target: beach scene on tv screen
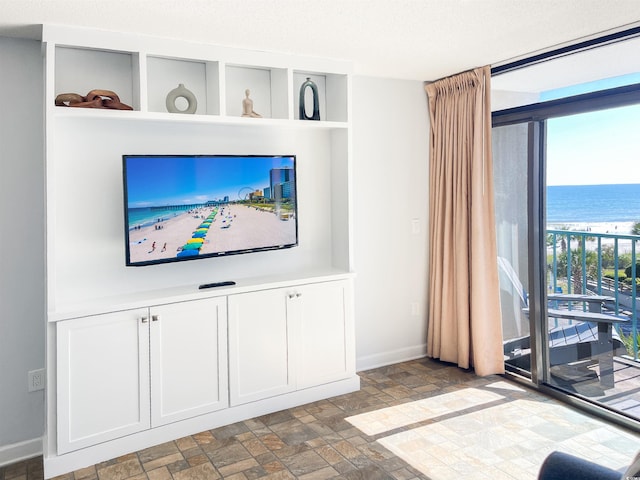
(179, 208)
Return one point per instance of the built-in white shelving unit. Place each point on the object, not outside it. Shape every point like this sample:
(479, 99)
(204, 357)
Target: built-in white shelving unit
(89, 288)
(142, 80)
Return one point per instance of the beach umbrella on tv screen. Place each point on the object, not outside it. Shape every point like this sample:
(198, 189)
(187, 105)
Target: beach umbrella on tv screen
(188, 253)
(196, 240)
(191, 246)
(199, 234)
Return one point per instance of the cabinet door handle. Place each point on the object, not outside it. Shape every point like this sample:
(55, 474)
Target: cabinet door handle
(292, 295)
(298, 294)
(155, 318)
(144, 319)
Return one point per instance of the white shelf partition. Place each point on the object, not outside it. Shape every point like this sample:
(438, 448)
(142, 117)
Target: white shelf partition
(200, 78)
(100, 70)
(332, 93)
(267, 86)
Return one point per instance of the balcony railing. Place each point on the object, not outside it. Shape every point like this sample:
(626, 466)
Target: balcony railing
(591, 263)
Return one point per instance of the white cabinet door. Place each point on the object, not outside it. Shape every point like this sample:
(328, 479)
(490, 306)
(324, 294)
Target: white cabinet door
(103, 378)
(323, 351)
(260, 336)
(188, 359)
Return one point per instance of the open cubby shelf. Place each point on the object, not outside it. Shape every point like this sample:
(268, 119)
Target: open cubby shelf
(143, 81)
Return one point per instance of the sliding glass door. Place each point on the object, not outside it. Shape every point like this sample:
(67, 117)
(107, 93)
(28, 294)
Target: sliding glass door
(567, 247)
(510, 163)
(593, 203)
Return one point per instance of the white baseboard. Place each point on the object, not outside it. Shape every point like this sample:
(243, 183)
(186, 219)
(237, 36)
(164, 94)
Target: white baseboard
(20, 451)
(393, 356)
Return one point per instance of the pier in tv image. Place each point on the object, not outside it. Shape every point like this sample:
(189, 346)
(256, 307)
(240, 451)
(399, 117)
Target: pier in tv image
(185, 207)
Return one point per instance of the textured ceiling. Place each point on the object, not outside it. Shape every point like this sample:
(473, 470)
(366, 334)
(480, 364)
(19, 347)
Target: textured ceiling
(412, 39)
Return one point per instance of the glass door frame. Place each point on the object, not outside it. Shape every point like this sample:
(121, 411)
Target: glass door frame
(536, 198)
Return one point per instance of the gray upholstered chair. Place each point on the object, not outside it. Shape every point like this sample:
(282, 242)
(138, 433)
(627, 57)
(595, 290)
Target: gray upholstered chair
(562, 466)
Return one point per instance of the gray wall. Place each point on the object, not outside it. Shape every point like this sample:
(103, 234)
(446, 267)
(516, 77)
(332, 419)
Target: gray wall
(390, 172)
(22, 345)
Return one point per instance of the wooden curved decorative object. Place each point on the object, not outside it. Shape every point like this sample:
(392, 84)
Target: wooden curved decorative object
(67, 99)
(93, 99)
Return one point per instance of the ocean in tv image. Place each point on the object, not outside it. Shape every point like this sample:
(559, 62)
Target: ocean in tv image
(185, 207)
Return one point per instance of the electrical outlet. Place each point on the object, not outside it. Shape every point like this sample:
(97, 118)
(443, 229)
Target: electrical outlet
(415, 309)
(36, 380)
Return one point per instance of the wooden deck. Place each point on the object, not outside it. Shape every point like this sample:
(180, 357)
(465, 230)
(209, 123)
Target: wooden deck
(575, 356)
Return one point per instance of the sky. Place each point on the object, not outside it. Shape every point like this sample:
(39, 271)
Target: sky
(175, 180)
(594, 148)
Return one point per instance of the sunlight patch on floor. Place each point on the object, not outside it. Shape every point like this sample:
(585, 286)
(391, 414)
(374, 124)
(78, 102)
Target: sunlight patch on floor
(390, 418)
(511, 387)
(509, 441)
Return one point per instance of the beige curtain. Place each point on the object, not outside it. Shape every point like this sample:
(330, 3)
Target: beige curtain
(465, 324)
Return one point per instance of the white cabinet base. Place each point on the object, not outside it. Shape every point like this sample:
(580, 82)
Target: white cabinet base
(260, 345)
(58, 465)
(188, 359)
(103, 378)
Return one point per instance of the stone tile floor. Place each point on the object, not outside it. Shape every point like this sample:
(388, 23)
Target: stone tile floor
(415, 420)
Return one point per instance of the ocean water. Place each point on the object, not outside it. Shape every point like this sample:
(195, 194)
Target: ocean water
(145, 216)
(593, 203)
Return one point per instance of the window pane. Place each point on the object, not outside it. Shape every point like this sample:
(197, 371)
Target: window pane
(592, 70)
(593, 203)
(509, 145)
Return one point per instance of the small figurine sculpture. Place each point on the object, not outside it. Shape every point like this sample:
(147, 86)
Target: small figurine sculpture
(247, 106)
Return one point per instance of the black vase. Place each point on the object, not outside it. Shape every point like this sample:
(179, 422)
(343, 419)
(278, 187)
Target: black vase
(316, 101)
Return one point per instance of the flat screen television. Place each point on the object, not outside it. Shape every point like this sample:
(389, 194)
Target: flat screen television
(187, 207)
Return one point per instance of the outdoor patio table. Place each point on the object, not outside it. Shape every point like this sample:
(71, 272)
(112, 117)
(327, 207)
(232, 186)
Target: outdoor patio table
(605, 327)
